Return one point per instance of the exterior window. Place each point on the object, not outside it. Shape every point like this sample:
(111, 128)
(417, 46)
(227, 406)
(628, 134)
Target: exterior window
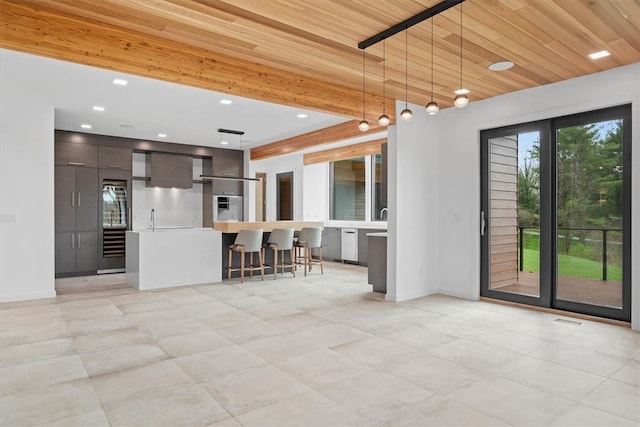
(348, 189)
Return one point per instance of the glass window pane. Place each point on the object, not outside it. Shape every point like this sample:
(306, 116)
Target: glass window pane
(514, 220)
(348, 189)
(589, 214)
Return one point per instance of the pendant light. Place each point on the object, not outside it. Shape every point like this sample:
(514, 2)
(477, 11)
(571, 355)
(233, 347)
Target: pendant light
(364, 124)
(406, 114)
(461, 100)
(384, 120)
(432, 107)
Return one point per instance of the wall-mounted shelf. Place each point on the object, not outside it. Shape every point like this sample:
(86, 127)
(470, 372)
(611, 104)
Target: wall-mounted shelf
(140, 178)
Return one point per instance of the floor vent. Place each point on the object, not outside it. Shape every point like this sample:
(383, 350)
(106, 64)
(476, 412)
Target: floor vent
(571, 322)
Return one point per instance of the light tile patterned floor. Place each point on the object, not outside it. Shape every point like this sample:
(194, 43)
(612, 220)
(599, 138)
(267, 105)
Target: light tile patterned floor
(321, 350)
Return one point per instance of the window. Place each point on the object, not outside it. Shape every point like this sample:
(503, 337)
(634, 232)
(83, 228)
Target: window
(348, 192)
(356, 189)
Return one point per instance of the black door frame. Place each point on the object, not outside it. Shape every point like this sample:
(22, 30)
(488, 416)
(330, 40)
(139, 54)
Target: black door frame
(548, 218)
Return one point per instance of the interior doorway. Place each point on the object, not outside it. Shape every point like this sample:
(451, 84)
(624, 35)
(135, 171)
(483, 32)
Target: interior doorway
(284, 196)
(260, 196)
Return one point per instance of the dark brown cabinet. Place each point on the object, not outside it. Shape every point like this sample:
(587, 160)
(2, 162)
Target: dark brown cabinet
(76, 253)
(71, 154)
(228, 165)
(114, 157)
(169, 170)
(76, 219)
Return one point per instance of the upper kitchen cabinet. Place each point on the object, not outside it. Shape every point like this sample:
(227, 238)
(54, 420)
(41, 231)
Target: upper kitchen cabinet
(169, 170)
(114, 157)
(228, 164)
(72, 154)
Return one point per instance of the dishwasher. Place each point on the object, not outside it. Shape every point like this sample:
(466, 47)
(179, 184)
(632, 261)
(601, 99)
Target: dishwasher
(349, 245)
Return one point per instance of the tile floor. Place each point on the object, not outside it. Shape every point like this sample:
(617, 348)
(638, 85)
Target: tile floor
(315, 351)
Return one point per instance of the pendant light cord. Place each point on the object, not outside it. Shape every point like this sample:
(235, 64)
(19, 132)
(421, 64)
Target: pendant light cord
(460, 45)
(432, 18)
(406, 66)
(363, 84)
(384, 66)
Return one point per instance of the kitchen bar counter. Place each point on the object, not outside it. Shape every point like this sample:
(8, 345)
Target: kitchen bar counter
(267, 226)
(173, 257)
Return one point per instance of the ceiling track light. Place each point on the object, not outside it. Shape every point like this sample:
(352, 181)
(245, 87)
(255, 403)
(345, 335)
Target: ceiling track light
(384, 120)
(406, 114)
(364, 124)
(461, 100)
(432, 107)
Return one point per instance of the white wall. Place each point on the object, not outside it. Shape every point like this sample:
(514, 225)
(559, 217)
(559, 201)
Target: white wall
(413, 212)
(272, 167)
(456, 245)
(27, 261)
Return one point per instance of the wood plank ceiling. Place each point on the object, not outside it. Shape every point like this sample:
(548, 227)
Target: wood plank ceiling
(304, 52)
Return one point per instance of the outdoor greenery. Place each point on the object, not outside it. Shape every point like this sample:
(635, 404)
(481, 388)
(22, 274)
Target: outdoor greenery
(572, 266)
(589, 190)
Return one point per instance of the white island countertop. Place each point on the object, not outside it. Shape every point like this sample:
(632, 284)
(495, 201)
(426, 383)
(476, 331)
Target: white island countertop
(173, 256)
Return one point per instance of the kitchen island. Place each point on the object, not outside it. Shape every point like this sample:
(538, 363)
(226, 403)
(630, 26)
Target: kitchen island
(167, 257)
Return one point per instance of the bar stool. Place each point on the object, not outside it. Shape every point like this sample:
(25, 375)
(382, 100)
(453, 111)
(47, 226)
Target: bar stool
(247, 241)
(280, 240)
(310, 238)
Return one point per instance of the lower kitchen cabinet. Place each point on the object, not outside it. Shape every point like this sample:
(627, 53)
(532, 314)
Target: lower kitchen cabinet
(331, 243)
(76, 252)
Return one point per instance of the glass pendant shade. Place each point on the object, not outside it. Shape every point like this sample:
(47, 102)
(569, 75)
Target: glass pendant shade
(363, 126)
(406, 115)
(432, 108)
(384, 120)
(461, 101)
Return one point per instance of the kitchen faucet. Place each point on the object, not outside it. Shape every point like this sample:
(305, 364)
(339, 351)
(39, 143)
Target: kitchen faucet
(153, 220)
(382, 211)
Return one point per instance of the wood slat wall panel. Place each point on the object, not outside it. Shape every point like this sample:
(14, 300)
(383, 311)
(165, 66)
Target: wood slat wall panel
(503, 230)
(504, 257)
(504, 186)
(503, 248)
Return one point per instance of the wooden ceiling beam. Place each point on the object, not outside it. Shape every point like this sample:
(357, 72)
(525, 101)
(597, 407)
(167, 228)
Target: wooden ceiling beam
(341, 153)
(54, 34)
(335, 133)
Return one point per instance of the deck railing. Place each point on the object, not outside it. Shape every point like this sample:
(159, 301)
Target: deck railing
(604, 244)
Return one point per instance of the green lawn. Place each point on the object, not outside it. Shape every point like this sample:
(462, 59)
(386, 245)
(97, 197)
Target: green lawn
(572, 266)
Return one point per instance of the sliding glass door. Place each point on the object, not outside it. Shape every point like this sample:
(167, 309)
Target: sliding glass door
(555, 214)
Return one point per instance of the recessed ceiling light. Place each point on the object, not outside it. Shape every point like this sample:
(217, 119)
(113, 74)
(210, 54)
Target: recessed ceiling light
(226, 101)
(98, 108)
(120, 82)
(501, 66)
(162, 135)
(224, 142)
(462, 91)
(302, 116)
(598, 55)
(85, 126)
